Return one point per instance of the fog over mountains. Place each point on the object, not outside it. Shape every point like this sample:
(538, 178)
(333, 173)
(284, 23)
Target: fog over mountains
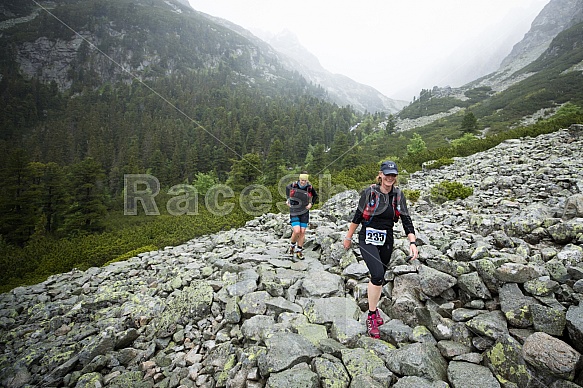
(485, 53)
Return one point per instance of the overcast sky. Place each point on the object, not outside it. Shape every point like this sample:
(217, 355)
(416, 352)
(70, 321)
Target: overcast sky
(398, 47)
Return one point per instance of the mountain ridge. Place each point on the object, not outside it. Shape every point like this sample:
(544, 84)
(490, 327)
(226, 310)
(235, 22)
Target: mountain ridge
(341, 89)
(555, 17)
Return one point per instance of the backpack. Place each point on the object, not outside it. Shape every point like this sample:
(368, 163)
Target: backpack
(373, 202)
(295, 186)
(371, 206)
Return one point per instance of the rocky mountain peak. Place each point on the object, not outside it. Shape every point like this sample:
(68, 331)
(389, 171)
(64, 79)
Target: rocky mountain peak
(556, 16)
(288, 43)
(341, 89)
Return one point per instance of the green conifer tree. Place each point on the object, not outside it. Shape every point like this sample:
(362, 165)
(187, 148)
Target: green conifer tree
(274, 163)
(469, 123)
(87, 208)
(245, 171)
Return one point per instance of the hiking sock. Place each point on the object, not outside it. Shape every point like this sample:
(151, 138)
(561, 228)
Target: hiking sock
(299, 252)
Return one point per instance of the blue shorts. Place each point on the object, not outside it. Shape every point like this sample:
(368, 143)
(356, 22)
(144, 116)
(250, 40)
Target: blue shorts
(301, 220)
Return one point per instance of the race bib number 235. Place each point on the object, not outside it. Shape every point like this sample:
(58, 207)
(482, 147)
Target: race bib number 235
(375, 236)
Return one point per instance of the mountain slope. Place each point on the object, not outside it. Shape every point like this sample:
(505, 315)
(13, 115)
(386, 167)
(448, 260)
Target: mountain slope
(542, 72)
(343, 90)
(294, 57)
(556, 16)
(58, 41)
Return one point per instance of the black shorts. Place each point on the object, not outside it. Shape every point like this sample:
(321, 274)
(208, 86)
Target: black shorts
(302, 220)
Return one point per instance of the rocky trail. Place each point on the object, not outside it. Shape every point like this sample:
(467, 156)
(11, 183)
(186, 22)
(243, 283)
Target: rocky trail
(494, 300)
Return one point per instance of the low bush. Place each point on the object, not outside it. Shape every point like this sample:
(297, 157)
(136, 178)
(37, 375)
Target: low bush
(412, 195)
(434, 164)
(448, 190)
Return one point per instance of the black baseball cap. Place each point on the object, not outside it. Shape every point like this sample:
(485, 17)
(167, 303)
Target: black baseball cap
(389, 167)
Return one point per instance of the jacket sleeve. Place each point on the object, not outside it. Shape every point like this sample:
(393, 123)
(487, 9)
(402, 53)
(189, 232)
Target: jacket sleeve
(357, 218)
(405, 217)
(314, 194)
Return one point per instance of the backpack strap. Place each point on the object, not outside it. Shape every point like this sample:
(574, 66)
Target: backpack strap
(397, 204)
(371, 206)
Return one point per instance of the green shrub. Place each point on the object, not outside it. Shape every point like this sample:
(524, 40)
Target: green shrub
(133, 253)
(447, 191)
(412, 195)
(443, 161)
(461, 142)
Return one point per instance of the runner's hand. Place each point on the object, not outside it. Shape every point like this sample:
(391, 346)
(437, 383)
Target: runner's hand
(346, 244)
(413, 251)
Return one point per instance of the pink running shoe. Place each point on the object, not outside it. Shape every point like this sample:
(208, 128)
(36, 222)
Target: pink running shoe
(380, 320)
(372, 326)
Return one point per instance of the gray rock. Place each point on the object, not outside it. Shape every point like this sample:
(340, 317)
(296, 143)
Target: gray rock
(356, 271)
(279, 305)
(297, 377)
(346, 331)
(548, 320)
(232, 311)
(506, 361)
(492, 325)
(255, 327)
(473, 285)
(328, 310)
(451, 349)
(418, 359)
(320, 284)
(254, 303)
(285, 350)
(419, 382)
(515, 273)
(404, 300)
(557, 270)
(395, 332)
(541, 287)
(474, 358)
(378, 347)
(331, 371)
(440, 327)
(573, 207)
(314, 333)
(363, 363)
(566, 232)
(434, 282)
(574, 319)
(551, 355)
(528, 220)
(462, 314)
(487, 271)
(515, 305)
(464, 374)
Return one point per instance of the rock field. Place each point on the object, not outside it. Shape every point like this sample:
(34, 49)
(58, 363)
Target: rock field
(493, 301)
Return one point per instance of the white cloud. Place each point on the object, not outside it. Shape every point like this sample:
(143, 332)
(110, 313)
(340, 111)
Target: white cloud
(394, 46)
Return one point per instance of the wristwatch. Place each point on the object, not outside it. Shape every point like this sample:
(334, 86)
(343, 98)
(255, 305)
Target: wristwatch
(413, 243)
